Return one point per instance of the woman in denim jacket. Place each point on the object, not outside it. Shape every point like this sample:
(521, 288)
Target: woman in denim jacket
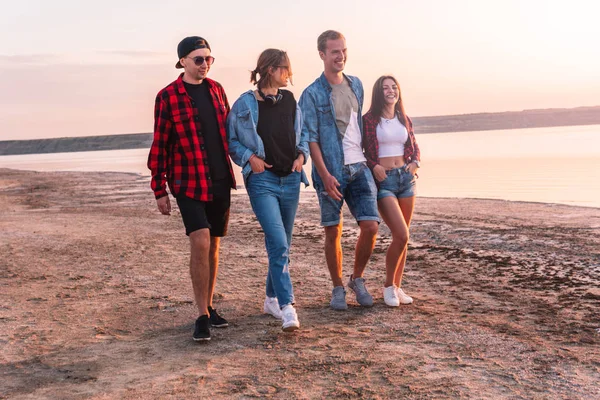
(264, 130)
(393, 156)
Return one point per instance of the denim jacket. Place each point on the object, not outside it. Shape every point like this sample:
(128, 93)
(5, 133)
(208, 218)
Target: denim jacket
(244, 139)
(319, 123)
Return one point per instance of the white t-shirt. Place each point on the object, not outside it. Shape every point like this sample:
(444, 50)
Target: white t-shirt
(391, 136)
(346, 115)
(352, 142)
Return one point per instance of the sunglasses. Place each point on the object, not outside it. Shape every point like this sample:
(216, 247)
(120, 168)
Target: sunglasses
(200, 60)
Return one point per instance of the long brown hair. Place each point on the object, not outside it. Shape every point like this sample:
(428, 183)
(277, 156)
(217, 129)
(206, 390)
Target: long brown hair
(378, 100)
(270, 58)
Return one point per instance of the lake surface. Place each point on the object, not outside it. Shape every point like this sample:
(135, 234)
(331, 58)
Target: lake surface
(550, 165)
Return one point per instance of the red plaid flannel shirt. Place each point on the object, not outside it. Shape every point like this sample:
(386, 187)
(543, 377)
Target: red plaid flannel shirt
(371, 144)
(178, 155)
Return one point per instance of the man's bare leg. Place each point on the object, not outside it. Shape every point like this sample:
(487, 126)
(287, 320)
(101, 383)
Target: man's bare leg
(333, 253)
(364, 246)
(213, 259)
(200, 268)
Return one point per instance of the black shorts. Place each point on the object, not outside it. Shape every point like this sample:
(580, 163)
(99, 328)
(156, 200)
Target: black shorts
(213, 215)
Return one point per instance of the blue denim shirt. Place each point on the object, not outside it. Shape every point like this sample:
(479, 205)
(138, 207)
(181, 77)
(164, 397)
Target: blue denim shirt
(244, 139)
(319, 123)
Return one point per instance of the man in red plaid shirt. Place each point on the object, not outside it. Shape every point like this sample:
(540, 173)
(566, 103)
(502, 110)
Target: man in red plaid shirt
(190, 155)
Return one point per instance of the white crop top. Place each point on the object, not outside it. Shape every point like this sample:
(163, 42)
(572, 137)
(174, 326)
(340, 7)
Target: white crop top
(392, 136)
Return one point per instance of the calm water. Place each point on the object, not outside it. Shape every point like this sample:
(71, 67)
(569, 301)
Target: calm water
(551, 165)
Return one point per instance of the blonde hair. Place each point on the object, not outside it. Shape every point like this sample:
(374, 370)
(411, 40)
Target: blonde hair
(325, 36)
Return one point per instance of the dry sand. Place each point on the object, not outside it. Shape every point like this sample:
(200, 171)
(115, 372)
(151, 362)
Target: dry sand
(96, 302)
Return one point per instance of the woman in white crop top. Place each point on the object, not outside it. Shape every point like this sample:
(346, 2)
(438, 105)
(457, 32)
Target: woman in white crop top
(393, 155)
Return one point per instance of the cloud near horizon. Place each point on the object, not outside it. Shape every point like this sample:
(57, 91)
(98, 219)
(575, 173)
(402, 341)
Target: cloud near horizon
(107, 57)
(29, 59)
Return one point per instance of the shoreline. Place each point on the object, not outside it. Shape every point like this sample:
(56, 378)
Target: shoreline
(304, 191)
(454, 123)
(97, 301)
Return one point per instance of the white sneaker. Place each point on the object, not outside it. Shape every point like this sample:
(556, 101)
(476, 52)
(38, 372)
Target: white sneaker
(404, 298)
(390, 296)
(272, 307)
(290, 319)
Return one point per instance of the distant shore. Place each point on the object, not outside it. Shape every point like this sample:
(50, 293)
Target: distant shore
(435, 124)
(97, 302)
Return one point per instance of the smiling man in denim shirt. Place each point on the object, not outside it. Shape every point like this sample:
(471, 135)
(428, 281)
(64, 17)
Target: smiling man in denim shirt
(332, 109)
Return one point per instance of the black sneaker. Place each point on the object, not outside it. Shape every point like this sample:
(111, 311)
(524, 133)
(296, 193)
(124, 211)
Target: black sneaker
(216, 320)
(202, 331)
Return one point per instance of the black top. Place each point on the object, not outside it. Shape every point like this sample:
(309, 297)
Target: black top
(209, 129)
(276, 129)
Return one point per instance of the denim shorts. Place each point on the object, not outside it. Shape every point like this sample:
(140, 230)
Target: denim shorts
(358, 190)
(399, 183)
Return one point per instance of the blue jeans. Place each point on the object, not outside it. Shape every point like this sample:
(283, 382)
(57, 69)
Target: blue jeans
(275, 200)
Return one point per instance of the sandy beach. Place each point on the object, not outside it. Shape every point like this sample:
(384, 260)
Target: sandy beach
(97, 302)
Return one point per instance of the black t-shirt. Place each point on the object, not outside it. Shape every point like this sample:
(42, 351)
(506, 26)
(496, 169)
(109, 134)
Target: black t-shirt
(209, 129)
(276, 129)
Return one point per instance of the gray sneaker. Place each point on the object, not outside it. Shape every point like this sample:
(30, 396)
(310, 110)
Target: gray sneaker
(338, 298)
(362, 295)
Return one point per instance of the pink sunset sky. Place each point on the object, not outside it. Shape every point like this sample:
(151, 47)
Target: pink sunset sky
(72, 68)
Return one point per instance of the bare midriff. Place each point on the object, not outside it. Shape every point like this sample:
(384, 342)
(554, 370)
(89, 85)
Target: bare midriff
(391, 162)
